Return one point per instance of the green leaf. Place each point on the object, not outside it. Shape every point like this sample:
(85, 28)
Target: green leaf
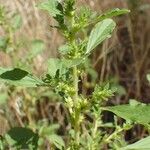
(113, 13)
(19, 77)
(57, 141)
(101, 31)
(16, 21)
(37, 46)
(49, 133)
(51, 129)
(143, 144)
(23, 137)
(51, 7)
(102, 93)
(134, 102)
(55, 64)
(137, 113)
(15, 74)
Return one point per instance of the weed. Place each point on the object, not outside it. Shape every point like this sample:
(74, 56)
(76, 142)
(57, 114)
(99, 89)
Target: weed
(64, 76)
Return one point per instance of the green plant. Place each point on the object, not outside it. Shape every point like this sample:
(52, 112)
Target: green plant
(64, 76)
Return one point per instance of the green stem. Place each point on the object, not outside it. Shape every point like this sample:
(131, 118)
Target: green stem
(94, 132)
(75, 78)
(76, 123)
(75, 97)
(113, 135)
(95, 128)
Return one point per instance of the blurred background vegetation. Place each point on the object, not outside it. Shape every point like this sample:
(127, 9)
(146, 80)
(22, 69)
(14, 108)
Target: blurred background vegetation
(122, 60)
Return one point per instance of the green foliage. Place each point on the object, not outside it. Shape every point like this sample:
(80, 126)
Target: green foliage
(49, 133)
(102, 93)
(23, 138)
(102, 31)
(9, 25)
(16, 21)
(51, 7)
(19, 77)
(132, 112)
(61, 65)
(143, 144)
(112, 13)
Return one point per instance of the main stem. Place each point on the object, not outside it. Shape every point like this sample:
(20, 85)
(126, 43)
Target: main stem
(75, 96)
(75, 82)
(76, 121)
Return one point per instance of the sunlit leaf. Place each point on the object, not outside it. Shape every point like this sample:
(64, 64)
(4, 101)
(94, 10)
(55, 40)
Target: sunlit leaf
(113, 13)
(101, 31)
(51, 7)
(137, 112)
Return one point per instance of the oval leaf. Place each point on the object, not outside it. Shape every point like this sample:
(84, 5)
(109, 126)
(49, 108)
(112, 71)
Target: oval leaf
(19, 77)
(135, 113)
(101, 31)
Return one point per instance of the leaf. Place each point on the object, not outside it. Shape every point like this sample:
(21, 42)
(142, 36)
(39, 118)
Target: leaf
(57, 141)
(24, 137)
(49, 133)
(19, 77)
(101, 31)
(51, 7)
(134, 102)
(37, 47)
(51, 129)
(15, 74)
(55, 64)
(113, 13)
(16, 21)
(143, 144)
(138, 113)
